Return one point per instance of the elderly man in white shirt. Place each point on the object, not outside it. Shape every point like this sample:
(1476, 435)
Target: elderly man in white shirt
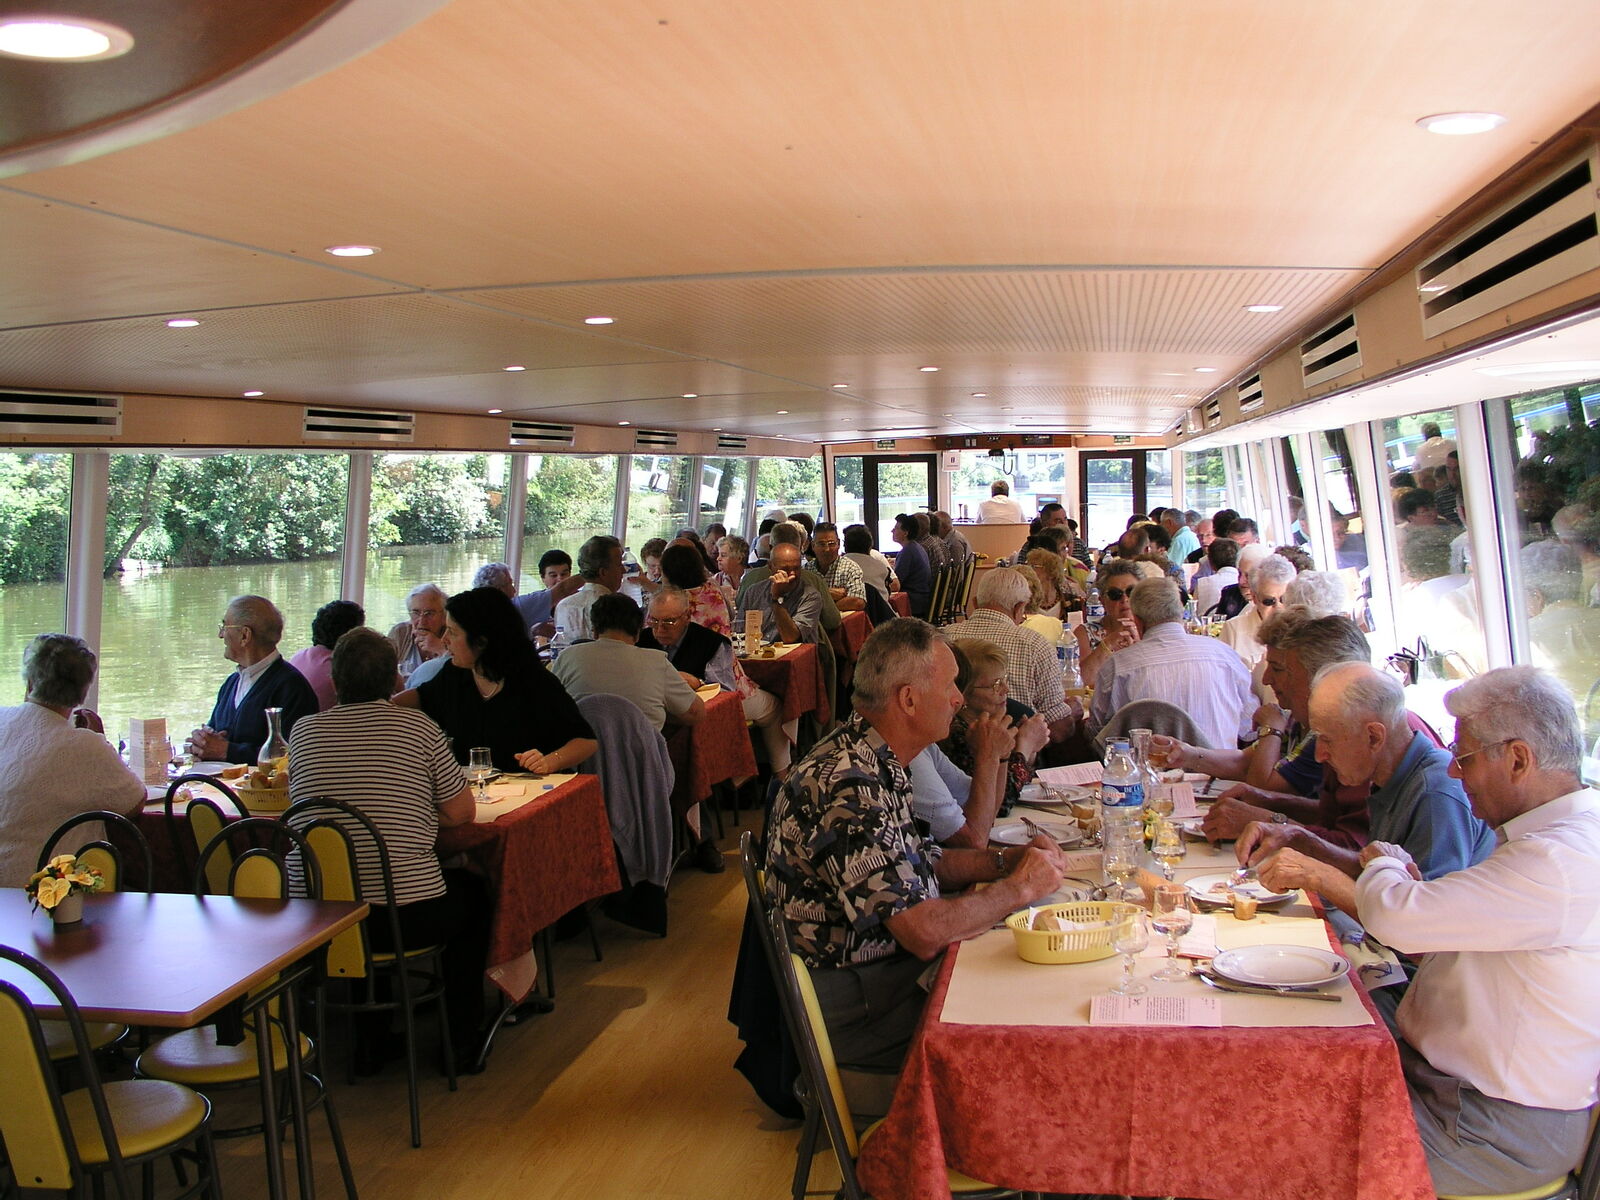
(1200, 675)
(1000, 508)
(1500, 1030)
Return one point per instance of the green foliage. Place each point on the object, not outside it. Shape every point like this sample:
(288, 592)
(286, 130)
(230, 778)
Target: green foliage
(252, 507)
(789, 483)
(566, 492)
(438, 499)
(35, 493)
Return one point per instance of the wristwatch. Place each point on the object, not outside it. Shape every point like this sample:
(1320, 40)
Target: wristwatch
(999, 863)
(1267, 731)
(1279, 819)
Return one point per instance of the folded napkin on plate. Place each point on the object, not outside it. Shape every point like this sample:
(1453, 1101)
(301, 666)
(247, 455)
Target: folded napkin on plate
(1376, 964)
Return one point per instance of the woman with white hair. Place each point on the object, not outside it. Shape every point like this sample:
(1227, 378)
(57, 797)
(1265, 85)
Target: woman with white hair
(1267, 582)
(54, 759)
(1323, 593)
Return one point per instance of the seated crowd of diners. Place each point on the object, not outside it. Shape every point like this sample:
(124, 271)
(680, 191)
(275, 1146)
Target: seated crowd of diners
(1479, 861)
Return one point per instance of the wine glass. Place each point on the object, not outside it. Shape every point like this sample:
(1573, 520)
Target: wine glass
(479, 769)
(1171, 915)
(1167, 847)
(1119, 859)
(1130, 939)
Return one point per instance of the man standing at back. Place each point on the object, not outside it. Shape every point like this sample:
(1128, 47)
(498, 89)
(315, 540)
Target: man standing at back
(600, 565)
(1000, 508)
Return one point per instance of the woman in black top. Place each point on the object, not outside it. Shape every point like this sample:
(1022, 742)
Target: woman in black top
(505, 699)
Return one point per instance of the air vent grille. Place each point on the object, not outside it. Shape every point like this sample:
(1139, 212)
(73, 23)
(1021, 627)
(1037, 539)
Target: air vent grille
(60, 414)
(357, 425)
(1549, 234)
(1213, 411)
(538, 433)
(1251, 397)
(1331, 353)
(731, 441)
(655, 439)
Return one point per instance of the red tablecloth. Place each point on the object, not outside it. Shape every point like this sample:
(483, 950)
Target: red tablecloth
(901, 603)
(714, 751)
(1269, 1114)
(794, 679)
(853, 632)
(546, 858)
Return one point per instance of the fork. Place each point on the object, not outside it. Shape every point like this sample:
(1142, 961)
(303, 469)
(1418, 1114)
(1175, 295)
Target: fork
(1033, 827)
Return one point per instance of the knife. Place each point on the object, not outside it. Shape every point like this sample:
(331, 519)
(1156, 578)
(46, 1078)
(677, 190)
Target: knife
(1251, 989)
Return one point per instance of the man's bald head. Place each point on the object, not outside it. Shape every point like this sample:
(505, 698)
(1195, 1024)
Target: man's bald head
(785, 557)
(1355, 694)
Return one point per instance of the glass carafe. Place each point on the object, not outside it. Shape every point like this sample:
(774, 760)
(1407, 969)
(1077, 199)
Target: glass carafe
(274, 754)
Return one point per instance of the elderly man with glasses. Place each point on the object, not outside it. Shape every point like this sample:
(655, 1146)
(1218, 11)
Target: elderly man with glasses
(250, 631)
(420, 637)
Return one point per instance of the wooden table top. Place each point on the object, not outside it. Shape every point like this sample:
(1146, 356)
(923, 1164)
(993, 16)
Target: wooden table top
(165, 959)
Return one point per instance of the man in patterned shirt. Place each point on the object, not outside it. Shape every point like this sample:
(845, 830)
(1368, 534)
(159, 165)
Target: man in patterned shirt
(938, 552)
(861, 885)
(1033, 673)
(846, 584)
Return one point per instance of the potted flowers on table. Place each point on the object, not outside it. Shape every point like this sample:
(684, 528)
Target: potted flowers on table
(60, 887)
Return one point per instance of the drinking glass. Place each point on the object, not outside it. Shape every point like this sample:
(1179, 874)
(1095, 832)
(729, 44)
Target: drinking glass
(1167, 847)
(1130, 939)
(1171, 916)
(1120, 859)
(479, 769)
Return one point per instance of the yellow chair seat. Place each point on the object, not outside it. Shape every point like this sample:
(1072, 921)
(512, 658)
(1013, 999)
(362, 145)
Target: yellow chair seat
(1543, 1192)
(148, 1115)
(194, 1058)
(58, 1037)
(960, 1185)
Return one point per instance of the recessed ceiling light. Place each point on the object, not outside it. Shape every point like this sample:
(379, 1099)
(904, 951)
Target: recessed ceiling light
(841, 385)
(252, 395)
(352, 251)
(783, 412)
(1206, 370)
(1182, 396)
(1263, 308)
(1006, 408)
(1544, 372)
(1174, 374)
(691, 395)
(496, 411)
(716, 429)
(599, 320)
(949, 414)
(980, 395)
(62, 39)
(182, 323)
(513, 368)
(624, 422)
(929, 369)
(1458, 123)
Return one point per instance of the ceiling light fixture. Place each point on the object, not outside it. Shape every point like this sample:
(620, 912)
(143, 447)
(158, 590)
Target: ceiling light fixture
(1205, 370)
(182, 323)
(841, 385)
(352, 251)
(691, 395)
(1263, 308)
(1544, 372)
(930, 370)
(624, 422)
(783, 412)
(513, 368)
(494, 412)
(599, 320)
(62, 39)
(252, 395)
(1457, 124)
(980, 395)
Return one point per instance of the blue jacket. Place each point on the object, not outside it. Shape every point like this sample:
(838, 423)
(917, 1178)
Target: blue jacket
(280, 686)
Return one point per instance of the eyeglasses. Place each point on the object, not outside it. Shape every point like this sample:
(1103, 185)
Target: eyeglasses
(999, 685)
(418, 614)
(224, 627)
(1117, 595)
(1269, 601)
(667, 622)
(1461, 758)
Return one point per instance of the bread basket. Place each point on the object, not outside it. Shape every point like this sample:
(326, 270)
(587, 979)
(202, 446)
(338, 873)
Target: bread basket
(261, 799)
(1071, 945)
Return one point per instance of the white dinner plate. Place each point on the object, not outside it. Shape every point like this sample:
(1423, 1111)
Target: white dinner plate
(1191, 827)
(1204, 887)
(1065, 833)
(1038, 795)
(199, 768)
(1280, 966)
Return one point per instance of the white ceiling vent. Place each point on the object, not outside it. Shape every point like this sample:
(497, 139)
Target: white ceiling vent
(1549, 234)
(1251, 397)
(1194, 422)
(655, 439)
(60, 414)
(540, 434)
(357, 425)
(731, 441)
(1331, 353)
(1213, 411)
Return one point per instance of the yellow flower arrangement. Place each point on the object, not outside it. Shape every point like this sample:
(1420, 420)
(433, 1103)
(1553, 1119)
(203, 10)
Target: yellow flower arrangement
(62, 875)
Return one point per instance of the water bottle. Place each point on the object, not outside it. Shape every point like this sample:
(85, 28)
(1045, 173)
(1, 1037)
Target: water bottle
(1095, 613)
(1067, 652)
(1121, 816)
(1121, 787)
(559, 642)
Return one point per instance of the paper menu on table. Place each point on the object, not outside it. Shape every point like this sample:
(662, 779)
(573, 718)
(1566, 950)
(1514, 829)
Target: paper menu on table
(1082, 860)
(1076, 775)
(1199, 942)
(1193, 1011)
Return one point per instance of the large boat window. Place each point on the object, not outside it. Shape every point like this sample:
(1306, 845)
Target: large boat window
(849, 491)
(660, 498)
(1556, 564)
(571, 498)
(1205, 481)
(1037, 477)
(184, 535)
(724, 486)
(791, 484)
(35, 498)
(1157, 479)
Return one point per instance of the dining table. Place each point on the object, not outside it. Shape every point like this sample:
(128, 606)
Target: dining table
(792, 673)
(901, 603)
(714, 750)
(1012, 1079)
(174, 961)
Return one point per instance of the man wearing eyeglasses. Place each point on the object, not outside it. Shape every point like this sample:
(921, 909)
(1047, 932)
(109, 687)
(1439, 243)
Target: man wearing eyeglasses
(420, 637)
(250, 631)
(1267, 583)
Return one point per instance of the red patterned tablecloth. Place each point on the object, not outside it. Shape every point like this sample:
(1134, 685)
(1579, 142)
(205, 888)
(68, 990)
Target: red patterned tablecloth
(714, 751)
(901, 603)
(546, 858)
(794, 679)
(1270, 1114)
(853, 632)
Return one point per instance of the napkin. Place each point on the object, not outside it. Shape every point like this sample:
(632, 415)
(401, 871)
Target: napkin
(1376, 964)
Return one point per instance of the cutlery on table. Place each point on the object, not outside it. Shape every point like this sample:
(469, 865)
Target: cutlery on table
(1253, 989)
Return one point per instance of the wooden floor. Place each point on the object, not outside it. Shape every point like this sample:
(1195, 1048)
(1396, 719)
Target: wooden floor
(627, 1089)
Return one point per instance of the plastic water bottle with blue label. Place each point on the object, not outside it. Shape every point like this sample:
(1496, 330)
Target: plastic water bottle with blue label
(1095, 611)
(559, 643)
(1121, 786)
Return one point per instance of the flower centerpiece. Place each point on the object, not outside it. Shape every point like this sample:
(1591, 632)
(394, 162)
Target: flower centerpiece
(60, 887)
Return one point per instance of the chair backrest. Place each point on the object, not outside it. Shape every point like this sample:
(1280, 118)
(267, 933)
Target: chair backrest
(969, 571)
(338, 834)
(1158, 716)
(38, 1137)
(941, 584)
(261, 870)
(101, 853)
(202, 820)
(636, 776)
(810, 1034)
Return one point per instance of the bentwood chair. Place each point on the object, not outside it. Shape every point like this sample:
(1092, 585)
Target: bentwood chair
(821, 1072)
(104, 856)
(201, 821)
(196, 1057)
(340, 837)
(65, 1141)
